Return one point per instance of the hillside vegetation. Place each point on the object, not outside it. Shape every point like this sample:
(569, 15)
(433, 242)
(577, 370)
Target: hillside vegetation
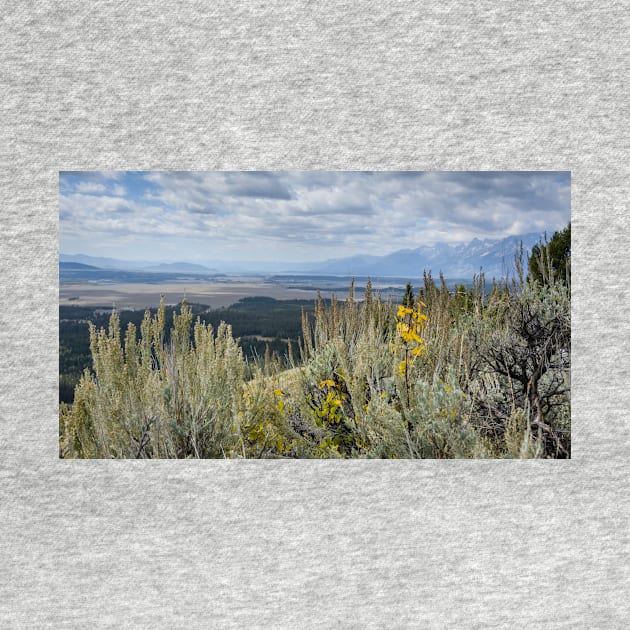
(474, 373)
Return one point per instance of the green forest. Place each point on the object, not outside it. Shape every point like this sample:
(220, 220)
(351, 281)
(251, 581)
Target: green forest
(262, 325)
(477, 372)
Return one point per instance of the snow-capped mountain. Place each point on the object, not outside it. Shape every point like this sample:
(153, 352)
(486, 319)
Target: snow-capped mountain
(494, 257)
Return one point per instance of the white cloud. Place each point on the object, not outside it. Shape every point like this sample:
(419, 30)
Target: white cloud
(91, 188)
(308, 215)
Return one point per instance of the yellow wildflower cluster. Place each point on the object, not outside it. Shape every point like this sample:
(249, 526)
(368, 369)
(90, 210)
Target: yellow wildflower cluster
(410, 323)
(330, 409)
(280, 404)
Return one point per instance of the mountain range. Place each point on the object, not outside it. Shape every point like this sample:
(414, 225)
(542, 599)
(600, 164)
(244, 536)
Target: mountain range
(495, 257)
(83, 261)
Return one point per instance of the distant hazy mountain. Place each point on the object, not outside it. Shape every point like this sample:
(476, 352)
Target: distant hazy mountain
(75, 266)
(179, 267)
(494, 257)
(104, 263)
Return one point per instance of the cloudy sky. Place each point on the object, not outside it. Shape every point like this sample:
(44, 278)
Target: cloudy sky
(298, 216)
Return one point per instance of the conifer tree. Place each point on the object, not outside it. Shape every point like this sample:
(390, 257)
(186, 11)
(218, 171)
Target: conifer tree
(552, 259)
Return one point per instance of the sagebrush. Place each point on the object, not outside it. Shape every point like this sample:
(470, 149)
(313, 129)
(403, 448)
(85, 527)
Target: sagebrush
(464, 373)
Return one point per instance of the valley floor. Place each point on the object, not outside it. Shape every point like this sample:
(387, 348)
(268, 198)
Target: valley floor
(132, 296)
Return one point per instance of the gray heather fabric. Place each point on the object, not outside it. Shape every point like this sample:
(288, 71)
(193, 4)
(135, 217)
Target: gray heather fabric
(387, 544)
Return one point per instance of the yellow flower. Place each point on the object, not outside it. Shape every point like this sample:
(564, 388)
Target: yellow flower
(409, 336)
(328, 382)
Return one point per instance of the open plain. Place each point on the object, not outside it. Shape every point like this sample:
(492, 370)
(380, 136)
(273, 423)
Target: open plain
(131, 296)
